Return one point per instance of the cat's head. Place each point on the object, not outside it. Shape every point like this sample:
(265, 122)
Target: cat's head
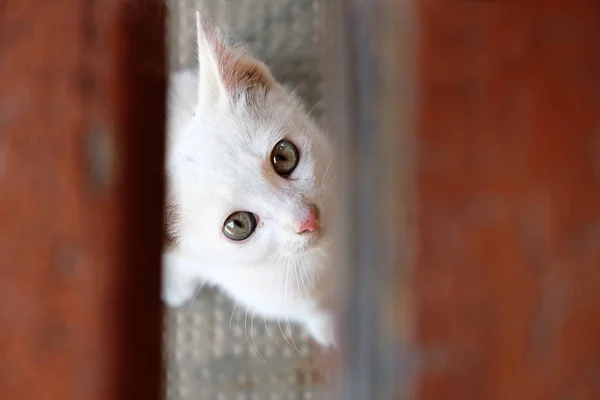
(253, 179)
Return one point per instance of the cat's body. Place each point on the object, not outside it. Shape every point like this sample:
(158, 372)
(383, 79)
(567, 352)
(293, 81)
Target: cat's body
(224, 122)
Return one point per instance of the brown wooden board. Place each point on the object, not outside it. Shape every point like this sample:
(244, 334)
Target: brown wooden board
(81, 171)
(506, 285)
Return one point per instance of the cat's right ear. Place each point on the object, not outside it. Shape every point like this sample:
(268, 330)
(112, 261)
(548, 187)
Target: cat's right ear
(226, 73)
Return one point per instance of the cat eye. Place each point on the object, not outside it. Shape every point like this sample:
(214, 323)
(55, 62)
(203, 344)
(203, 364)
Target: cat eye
(240, 225)
(284, 158)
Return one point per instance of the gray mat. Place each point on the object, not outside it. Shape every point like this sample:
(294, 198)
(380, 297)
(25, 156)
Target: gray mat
(215, 350)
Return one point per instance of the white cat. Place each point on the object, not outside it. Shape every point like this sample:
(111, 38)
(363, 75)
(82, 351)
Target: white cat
(250, 198)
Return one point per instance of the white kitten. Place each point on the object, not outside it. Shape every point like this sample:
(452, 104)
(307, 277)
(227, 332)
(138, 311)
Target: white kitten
(249, 193)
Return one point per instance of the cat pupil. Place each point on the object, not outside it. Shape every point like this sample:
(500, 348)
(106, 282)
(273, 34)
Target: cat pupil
(238, 223)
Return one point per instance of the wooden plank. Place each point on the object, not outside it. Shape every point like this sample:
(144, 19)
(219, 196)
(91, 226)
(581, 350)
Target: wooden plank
(371, 72)
(507, 276)
(81, 154)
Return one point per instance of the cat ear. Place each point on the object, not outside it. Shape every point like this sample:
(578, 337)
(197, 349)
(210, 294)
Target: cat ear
(227, 73)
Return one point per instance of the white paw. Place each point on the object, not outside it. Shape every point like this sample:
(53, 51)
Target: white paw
(321, 328)
(177, 286)
(176, 296)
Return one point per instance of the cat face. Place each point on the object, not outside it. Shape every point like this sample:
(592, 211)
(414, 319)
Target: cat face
(228, 155)
(252, 178)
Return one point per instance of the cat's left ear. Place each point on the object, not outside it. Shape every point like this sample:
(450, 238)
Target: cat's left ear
(227, 73)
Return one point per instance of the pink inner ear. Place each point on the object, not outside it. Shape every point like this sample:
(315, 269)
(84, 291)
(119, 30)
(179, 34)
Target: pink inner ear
(237, 71)
(248, 75)
(222, 53)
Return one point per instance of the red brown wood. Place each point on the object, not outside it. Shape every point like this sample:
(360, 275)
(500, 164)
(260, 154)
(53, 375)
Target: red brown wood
(507, 277)
(81, 150)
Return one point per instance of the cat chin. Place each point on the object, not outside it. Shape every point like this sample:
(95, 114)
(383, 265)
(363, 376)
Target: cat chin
(267, 290)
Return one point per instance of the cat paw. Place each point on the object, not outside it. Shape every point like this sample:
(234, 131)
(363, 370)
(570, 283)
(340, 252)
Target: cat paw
(321, 328)
(177, 288)
(176, 297)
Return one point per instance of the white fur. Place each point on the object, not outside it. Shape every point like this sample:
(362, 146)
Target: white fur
(219, 143)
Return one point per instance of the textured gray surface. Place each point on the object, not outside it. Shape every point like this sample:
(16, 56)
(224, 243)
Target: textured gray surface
(216, 350)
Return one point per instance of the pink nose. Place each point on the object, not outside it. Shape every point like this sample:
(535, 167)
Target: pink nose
(311, 224)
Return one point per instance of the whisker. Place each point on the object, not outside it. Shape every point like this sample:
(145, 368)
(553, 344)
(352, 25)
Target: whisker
(245, 326)
(289, 329)
(317, 104)
(326, 172)
(287, 276)
(232, 312)
(191, 303)
(295, 267)
(268, 332)
(285, 337)
(310, 140)
(252, 339)
(302, 270)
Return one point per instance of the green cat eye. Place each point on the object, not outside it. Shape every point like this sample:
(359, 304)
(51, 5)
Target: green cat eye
(284, 158)
(240, 225)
